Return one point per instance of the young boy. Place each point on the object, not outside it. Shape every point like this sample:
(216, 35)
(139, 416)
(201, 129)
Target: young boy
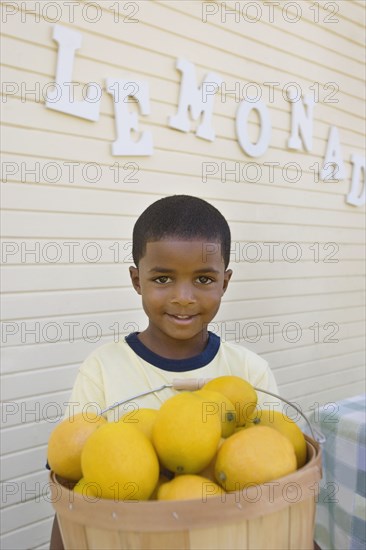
(181, 251)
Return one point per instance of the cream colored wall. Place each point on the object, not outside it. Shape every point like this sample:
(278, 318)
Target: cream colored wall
(299, 298)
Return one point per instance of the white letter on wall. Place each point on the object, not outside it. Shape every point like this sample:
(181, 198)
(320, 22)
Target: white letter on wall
(333, 158)
(259, 148)
(301, 122)
(127, 121)
(357, 192)
(199, 100)
(68, 42)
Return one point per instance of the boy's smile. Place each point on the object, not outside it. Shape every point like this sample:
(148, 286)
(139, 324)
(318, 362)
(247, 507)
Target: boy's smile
(181, 284)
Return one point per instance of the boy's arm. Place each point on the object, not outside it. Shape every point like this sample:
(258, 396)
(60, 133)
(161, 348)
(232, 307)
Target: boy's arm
(56, 539)
(86, 392)
(87, 389)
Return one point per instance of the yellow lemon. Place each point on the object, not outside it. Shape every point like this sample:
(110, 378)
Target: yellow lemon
(67, 441)
(239, 428)
(242, 395)
(254, 456)
(88, 489)
(218, 403)
(209, 471)
(143, 419)
(162, 479)
(188, 486)
(287, 427)
(184, 435)
(121, 460)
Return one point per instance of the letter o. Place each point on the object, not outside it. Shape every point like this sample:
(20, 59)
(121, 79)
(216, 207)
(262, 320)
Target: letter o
(56, 338)
(296, 17)
(295, 417)
(252, 98)
(257, 495)
(290, 259)
(258, 172)
(54, 95)
(47, 494)
(45, 9)
(86, 92)
(292, 492)
(57, 176)
(86, 336)
(258, 10)
(245, 332)
(97, 255)
(98, 12)
(297, 175)
(285, 332)
(97, 168)
(55, 416)
(292, 92)
(259, 148)
(53, 259)
(258, 251)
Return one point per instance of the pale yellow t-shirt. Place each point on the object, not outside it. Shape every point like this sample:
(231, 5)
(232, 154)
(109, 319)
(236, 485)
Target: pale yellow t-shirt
(115, 372)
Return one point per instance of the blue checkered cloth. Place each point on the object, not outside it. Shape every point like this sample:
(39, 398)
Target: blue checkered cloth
(341, 515)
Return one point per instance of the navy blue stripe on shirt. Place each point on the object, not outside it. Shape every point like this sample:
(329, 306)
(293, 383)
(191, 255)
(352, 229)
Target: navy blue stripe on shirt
(175, 365)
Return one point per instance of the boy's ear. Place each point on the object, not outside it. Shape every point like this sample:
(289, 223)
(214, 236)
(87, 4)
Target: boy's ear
(135, 279)
(227, 277)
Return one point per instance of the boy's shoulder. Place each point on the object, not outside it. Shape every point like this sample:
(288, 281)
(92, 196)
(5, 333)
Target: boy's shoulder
(117, 347)
(238, 351)
(105, 354)
(244, 362)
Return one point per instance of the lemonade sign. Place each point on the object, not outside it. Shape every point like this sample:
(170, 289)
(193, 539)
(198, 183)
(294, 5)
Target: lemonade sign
(195, 102)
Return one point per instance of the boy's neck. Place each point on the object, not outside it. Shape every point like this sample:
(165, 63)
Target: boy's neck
(172, 348)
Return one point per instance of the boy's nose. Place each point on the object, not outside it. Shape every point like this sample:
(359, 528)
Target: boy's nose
(184, 295)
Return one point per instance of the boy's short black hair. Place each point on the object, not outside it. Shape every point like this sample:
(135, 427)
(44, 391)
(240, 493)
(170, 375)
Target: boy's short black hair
(182, 217)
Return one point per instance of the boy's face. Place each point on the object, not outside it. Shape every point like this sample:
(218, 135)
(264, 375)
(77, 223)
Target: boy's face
(181, 284)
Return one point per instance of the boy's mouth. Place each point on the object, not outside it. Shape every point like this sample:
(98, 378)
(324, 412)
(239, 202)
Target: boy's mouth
(181, 317)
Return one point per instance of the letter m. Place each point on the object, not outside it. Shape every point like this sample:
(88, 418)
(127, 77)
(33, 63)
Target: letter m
(198, 100)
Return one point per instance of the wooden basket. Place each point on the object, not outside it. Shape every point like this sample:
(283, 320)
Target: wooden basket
(277, 515)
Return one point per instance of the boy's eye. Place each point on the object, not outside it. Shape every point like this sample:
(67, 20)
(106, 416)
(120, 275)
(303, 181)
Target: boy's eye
(204, 280)
(162, 279)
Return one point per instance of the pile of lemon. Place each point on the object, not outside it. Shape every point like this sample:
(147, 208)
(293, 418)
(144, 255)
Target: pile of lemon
(198, 444)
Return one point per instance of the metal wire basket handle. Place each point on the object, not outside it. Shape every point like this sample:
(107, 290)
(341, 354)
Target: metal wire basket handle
(317, 435)
(193, 384)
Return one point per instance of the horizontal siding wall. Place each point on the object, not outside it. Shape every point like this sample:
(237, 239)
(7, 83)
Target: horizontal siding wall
(67, 240)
